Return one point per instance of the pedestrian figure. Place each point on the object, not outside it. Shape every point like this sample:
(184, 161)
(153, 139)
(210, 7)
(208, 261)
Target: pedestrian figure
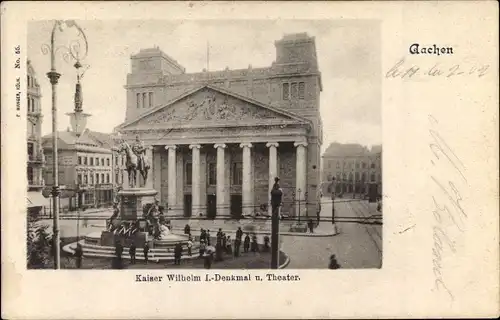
(190, 246)
(202, 247)
(333, 263)
(255, 246)
(219, 248)
(237, 244)
(239, 233)
(224, 242)
(228, 245)
(246, 243)
(208, 237)
(310, 224)
(266, 244)
(146, 252)
(132, 251)
(219, 233)
(177, 254)
(78, 256)
(208, 258)
(118, 264)
(203, 235)
(187, 229)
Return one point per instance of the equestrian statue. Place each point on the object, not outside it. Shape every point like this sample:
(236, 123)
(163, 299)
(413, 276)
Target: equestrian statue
(136, 161)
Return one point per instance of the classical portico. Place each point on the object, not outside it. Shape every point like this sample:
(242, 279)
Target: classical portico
(215, 153)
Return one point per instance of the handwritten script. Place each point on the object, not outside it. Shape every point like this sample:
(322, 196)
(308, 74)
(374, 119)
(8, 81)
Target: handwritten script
(449, 215)
(404, 70)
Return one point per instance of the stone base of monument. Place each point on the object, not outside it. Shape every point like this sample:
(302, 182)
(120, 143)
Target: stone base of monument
(102, 245)
(132, 202)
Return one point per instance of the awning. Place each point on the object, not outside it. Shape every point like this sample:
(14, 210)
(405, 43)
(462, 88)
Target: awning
(36, 199)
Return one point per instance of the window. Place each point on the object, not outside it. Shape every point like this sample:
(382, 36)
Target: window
(350, 176)
(363, 177)
(188, 176)
(373, 165)
(150, 102)
(79, 181)
(122, 160)
(102, 177)
(144, 100)
(30, 175)
(357, 176)
(295, 92)
(91, 179)
(79, 160)
(237, 173)
(302, 90)
(116, 177)
(338, 175)
(364, 165)
(138, 100)
(107, 162)
(85, 179)
(344, 176)
(32, 105)
(338, 165)
(212, 174)
(29, 104)
(372, 177)
(286, 91)
(116, 160)
(96, 178)
(357, 165)
(29, 83)
(102, 162)
(85, 160)
(31, 149)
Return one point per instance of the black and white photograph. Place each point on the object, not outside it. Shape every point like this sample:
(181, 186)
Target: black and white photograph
(249, 160)
(174, 144)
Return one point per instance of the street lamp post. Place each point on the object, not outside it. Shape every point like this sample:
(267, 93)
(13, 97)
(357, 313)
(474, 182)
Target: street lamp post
(71, 51)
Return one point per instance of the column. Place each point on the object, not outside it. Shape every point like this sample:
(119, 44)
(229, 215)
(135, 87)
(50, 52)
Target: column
(126, 183)
(247, 196)
(195, 183)
(273, 170)
(221, 203)
(149, 155)
(172, 188)
(300, 180)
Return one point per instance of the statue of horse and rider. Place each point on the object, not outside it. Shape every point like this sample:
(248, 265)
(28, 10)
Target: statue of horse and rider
(136, 161)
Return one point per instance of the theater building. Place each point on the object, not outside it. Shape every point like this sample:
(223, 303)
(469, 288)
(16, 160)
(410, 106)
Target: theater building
(217, 139)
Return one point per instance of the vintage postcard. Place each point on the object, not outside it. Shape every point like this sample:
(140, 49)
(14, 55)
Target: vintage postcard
(250, 160)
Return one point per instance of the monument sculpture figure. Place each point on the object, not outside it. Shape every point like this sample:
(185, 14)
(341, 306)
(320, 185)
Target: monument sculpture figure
(136, 161)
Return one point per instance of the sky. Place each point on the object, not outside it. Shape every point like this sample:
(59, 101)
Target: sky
(348, 55)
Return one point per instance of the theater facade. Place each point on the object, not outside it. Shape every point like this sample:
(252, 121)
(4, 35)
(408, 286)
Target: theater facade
(218, 139)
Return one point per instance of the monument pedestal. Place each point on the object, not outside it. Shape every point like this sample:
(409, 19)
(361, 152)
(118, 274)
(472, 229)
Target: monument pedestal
(133, 201)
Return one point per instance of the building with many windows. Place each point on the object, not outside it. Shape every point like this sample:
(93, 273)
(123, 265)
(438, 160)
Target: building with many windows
(353, 167)
(89, 170)
(36, 160)
(218, 139)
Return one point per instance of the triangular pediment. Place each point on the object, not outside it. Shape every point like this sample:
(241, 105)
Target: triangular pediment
(211, 106)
